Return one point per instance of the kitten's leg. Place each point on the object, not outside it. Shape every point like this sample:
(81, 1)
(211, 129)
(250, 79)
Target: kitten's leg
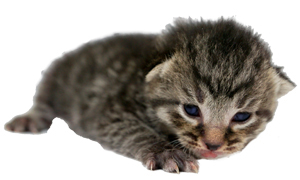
(134, 139)
(34, 121)
(41, 114)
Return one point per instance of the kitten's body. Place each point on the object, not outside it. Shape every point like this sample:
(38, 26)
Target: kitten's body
(128, 92)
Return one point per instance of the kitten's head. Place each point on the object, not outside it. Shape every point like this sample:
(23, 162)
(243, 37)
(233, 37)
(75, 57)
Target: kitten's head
(217, 88)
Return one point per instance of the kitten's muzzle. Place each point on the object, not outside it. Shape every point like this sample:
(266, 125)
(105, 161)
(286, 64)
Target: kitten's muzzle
(213, 138)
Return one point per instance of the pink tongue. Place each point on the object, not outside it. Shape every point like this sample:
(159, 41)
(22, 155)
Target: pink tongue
(209, 155)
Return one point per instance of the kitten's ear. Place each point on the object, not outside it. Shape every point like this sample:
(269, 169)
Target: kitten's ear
(158, 70)
(285, 85)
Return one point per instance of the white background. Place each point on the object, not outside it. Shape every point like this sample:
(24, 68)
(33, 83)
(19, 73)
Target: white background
(33, 33)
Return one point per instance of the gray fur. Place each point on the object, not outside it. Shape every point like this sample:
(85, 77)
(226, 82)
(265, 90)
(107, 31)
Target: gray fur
(127, 92)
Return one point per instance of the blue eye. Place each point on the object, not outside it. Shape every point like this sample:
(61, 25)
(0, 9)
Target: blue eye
(241, 117)
(191, 110)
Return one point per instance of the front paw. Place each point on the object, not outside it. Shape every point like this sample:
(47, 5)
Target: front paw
(174, 161)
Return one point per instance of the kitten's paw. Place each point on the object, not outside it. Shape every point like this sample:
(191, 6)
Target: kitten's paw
(173, 161)
(25, 123)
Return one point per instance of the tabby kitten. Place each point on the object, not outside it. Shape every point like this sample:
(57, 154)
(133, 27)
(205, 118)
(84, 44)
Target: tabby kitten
(200, 89)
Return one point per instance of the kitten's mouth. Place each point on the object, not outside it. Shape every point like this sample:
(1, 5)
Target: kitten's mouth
(206, 154)
(209, 154)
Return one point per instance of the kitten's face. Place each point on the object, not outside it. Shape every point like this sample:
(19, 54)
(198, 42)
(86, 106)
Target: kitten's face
(216, 107)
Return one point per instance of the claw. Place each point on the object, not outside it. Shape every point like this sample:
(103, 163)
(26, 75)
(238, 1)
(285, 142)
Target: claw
(150, 165)
(194, 168)
(177, 169)
(191, 167)
(171, 166)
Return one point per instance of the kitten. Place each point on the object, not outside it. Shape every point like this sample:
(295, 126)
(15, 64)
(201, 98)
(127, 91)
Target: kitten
(200, 89)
